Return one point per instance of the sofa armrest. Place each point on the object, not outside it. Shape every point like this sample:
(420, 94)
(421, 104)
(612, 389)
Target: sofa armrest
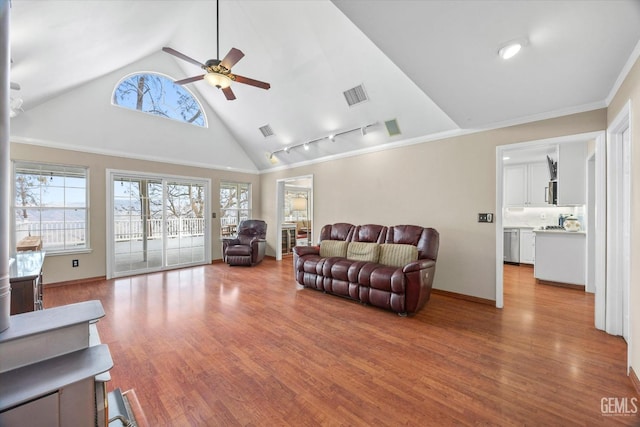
(258, 250)
(419, 276)
(225, 244)
(306, 250)
(418, 265)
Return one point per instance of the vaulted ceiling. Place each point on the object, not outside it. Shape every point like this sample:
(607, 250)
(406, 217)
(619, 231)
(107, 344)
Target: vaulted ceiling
(432, 66)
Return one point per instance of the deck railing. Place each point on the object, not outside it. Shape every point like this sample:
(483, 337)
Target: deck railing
(57, 233)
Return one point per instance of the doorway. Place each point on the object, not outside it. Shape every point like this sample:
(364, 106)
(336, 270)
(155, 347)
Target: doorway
(599, 206)
(156, 223)
(294, 203)
(618, 225)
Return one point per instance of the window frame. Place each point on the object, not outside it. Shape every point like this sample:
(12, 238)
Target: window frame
(53, 170)
(171, 80)
(230, 230)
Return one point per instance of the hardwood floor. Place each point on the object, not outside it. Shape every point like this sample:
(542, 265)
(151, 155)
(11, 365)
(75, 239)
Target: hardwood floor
(236, 346)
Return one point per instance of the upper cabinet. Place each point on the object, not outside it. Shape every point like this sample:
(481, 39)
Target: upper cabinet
(572, 173)
(525, 185)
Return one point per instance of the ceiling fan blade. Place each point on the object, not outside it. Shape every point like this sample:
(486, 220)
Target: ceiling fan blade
(228, 93)
(252, 82)
(14, 86)
(182, 56)
(189, 80)
(232, 58)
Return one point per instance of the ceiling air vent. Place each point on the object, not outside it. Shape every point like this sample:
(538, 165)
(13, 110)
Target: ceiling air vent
(355, 95)
(392, 127)
(266, 131)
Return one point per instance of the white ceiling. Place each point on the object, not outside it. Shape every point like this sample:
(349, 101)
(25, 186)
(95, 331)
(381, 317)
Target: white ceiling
(432, 65)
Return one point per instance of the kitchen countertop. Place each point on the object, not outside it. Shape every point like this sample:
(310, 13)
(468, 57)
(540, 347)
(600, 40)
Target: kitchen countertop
(539, 230)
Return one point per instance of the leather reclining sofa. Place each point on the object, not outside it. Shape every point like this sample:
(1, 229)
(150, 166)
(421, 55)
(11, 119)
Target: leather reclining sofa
(387, 267)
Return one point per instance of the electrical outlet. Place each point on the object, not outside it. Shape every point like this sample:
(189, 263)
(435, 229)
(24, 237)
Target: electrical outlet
(485, 217)
(75, 263)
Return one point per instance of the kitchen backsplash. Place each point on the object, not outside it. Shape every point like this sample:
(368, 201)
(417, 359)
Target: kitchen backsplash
(538, 217)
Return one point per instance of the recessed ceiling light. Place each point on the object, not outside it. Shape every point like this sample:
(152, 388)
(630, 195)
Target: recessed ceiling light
(509, 50)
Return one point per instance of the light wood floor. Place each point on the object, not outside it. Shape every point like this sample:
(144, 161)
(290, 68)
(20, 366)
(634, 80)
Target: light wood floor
(237, 346)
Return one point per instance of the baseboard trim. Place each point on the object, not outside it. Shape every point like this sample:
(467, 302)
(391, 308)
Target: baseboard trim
(634, 380)
(75, 281)
(560, 284)
(464, 297)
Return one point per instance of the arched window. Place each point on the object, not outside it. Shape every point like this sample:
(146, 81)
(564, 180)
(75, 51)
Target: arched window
(156, 94)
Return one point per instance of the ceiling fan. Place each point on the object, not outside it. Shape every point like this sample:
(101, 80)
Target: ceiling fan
(218, 72)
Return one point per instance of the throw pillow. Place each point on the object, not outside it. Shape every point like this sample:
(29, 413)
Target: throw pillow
(363, 251)
(397, 255)
(330, 248)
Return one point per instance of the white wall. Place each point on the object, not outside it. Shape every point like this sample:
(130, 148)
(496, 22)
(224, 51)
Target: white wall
(84, 119)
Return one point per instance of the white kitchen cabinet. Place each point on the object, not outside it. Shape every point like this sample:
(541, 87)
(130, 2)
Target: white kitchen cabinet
(525, 185)
(560, 257)
(527, 246)
(572, 174)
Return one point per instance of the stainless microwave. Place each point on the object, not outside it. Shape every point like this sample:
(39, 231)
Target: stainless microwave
(552, 193)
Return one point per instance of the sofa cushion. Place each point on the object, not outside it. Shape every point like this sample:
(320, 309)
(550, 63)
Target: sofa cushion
(362, 251)
(397, 255)
(331, 248)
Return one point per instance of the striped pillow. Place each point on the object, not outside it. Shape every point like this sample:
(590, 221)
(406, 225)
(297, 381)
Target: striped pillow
(331, 248)
(363, 251)
(397, 255)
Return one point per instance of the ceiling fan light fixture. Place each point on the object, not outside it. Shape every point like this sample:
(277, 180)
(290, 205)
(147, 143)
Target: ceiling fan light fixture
(218, 80)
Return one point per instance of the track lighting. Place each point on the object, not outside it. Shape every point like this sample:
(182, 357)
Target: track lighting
(307, 145)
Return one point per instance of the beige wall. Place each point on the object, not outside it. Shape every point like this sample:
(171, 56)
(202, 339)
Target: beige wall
(58, 268)
(442, 184)
(630, 90)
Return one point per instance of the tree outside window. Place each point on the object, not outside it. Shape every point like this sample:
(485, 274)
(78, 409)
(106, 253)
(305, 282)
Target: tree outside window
(158, 95)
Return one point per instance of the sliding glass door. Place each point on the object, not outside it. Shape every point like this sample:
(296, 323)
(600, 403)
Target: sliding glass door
(156, 223)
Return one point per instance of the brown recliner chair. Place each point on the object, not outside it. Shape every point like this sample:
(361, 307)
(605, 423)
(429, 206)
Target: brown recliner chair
(250, 245)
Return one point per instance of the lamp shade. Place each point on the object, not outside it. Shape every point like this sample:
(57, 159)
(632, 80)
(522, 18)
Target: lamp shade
(299, 204)
(218, 80)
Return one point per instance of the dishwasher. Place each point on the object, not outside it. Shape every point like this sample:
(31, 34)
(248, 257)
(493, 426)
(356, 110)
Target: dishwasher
(512, 246)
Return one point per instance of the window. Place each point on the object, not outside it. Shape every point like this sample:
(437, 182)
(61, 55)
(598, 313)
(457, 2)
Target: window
(51, 201)
(235, 206)
(156, 94)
